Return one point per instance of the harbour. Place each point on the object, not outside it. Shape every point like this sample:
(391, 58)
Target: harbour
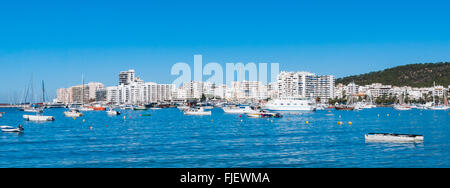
(298, 139)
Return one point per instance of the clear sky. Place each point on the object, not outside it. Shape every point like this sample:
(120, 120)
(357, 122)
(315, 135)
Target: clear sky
(57, 41)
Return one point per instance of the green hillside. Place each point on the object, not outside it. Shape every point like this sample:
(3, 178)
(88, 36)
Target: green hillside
(415, 75)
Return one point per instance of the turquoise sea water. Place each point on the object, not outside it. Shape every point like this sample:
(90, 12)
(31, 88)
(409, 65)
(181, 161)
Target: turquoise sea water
(170, 139)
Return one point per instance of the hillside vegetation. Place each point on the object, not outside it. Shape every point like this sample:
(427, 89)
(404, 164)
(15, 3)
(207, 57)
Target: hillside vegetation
(415, 75)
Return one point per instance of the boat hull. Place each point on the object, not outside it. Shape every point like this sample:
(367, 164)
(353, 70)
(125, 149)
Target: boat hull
(206, 113)
(390, 137)
(38, 118)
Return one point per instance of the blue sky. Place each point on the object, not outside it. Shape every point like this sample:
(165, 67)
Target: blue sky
(57, 41)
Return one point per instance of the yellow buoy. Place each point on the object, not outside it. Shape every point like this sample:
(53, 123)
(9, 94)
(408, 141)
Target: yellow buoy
(212, 120)
(350, 123)
(307, 122)
(387, 114)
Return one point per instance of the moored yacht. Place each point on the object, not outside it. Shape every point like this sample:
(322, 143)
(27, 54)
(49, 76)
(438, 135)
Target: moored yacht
(290, 104)
(112, 112)
(264, 114)
(196, 111)
(238, 109)
(73, 113)
(33, 109)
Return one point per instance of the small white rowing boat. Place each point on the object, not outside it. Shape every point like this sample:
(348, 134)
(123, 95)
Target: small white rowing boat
(391, 137)
(12, 129)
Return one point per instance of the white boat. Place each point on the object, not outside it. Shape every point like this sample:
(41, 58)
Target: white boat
(12, 129)
(196, 111)
(73, 113)
(321, 106)
(290, 104)
(238, 109)
(33, 110)
(112, 112)
(156, 108)
(264, 114)
(85, 109)
(390, 137)
(366, 105)
(438, 107)
(183, 107)
(402, 107)
(38, 117)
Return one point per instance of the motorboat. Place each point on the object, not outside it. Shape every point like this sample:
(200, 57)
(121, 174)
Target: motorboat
(290, 104)
(38, 117)
(73, 113)
(155, 108)
(12, 129)
(264, 114)
(392, 137)
(238, 109)
(196, 111)
(112, 112)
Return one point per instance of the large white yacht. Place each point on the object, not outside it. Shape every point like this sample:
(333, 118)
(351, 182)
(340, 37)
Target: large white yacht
(290, 104)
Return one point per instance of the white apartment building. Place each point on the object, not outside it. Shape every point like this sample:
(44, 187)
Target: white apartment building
(126, 77)
(305, 84)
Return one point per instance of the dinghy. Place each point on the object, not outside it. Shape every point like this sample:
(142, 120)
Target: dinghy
(392, 137)
(12, 129)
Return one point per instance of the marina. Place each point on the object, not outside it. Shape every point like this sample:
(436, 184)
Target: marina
(298, 139)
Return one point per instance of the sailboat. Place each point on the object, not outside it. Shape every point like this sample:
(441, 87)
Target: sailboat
(401, 105)
(348, 106)
(82, 107)
(30, 107)
(39, 116)
(438, 106)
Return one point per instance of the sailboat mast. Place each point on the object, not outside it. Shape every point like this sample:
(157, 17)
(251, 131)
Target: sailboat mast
(43, 92)
(82, 89)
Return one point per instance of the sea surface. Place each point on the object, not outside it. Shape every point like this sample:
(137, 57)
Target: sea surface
(168, 138)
